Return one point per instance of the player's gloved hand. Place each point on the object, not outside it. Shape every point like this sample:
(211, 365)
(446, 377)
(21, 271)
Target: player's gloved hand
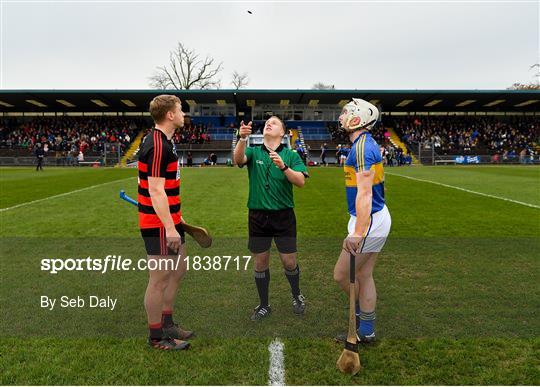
(245, 130)
(173, 239)
(276, 159)
(352, 243)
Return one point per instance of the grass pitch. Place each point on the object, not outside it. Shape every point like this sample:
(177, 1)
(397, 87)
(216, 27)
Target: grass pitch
(457, 282)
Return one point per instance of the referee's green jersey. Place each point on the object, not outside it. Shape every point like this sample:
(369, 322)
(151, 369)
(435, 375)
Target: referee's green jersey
(269, 188)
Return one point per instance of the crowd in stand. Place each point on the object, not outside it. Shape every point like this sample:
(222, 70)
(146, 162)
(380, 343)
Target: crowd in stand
(339, 135)
(193, 134)
(469, 135)
(71, 139)
(504, 137)
(458, 134)
(86, 135)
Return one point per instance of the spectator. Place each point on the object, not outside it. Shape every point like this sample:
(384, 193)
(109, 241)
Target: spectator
(324, 149)
(40, 155)
(345, 149)
(301, 152)
(523, 156)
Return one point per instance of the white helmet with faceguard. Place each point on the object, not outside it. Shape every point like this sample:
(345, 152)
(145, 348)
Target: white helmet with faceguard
(358, 114)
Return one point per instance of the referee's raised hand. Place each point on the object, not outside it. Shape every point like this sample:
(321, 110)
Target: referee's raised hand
(245, 130)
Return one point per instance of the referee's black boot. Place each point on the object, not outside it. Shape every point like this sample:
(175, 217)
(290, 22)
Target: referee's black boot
(299, 304)
(261, 312)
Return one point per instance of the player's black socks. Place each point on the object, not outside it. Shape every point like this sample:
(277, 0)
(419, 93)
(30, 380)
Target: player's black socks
(166, 318)
(156, 332)
(294, 280)
(262, 280)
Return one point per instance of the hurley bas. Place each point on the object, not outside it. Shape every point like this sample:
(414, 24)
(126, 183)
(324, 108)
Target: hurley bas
(79, 302)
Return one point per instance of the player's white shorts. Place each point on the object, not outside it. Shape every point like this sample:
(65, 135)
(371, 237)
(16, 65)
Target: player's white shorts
(379, 228)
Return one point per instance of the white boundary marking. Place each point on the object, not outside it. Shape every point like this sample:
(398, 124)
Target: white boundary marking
(276, 371)
(64, 194)
(464, 190)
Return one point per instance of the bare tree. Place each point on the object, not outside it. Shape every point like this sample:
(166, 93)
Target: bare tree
(524, 86)
(530, 85)
(239, 80)
(322, 86)
(186, 70)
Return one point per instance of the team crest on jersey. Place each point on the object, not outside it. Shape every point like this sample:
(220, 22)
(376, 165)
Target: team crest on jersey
(350, 176)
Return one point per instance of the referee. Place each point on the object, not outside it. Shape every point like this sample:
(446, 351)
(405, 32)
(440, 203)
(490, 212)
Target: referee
(272, 170)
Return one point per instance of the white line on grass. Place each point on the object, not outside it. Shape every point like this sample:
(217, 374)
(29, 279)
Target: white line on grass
(465, 190)
(276, 372)
(62, 194)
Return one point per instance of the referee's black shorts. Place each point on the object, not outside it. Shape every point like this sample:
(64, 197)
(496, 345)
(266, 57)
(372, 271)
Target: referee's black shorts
(265, 225)
(155, 240)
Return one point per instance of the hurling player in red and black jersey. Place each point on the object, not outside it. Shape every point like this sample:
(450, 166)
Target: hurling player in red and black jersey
(160, 221)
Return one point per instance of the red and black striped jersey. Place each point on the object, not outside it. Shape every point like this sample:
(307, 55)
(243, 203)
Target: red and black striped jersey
(158, 158)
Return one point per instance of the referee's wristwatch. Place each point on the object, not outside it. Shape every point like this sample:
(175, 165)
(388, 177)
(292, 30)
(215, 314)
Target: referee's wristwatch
(284, 168)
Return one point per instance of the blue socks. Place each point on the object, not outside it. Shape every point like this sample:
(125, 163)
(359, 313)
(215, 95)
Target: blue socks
(367, 323)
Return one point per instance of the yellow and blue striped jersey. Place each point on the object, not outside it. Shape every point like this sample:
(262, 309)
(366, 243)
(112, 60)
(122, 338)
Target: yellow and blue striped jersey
(364, 156)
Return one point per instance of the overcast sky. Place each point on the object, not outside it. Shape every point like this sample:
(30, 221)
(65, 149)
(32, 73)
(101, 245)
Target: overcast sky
(362, 45)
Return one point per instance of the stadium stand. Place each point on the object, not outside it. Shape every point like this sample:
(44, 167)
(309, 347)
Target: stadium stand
(67, 134)
(469, 134)
(483, 123)
(505, 138)
(449, 134)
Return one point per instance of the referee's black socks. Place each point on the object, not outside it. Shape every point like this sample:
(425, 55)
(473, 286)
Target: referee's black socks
(294, 279)
(262, 280)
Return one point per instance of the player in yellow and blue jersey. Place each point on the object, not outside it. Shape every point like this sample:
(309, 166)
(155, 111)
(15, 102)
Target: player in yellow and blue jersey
(369, 223)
